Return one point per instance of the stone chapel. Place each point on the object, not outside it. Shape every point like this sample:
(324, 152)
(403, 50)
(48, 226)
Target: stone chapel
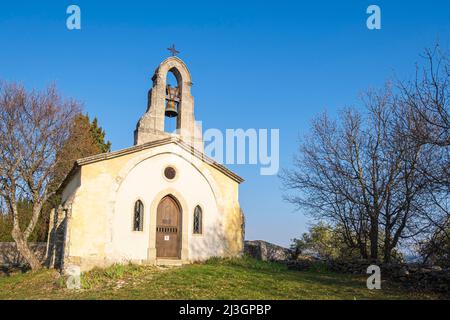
(161, 201)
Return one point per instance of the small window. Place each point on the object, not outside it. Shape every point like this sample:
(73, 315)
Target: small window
(170, 173)
(138, 216)
(197, 220)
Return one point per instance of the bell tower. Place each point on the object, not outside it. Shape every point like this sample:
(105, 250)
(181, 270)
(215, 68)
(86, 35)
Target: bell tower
(167, 101)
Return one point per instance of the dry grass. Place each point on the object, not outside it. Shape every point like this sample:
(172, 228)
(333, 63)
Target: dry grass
(216, 279)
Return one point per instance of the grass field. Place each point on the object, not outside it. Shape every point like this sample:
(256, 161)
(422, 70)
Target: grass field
(216, 279)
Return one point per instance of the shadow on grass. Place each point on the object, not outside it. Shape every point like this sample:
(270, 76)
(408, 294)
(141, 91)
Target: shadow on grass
(217, 278)
(248, 263)
(7, 271)
(315, 278)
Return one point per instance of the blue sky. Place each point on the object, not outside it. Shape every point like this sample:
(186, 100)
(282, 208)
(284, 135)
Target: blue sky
(255, 64)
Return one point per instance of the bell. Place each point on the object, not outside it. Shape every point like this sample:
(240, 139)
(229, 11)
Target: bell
(172, 96)
(171, 109)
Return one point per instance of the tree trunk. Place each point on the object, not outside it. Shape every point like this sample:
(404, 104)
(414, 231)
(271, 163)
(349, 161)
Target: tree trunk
(24, 249)
(387, 241)
(387, 246)
(387, 256)
(362, 250)
(373, 235)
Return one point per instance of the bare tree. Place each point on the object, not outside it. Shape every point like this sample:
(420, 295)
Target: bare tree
(426, 100)
(323, 182)
(382, 175)
(33, 127)
(360, 174)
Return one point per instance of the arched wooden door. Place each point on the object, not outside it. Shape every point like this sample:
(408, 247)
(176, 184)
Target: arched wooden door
(168, 229)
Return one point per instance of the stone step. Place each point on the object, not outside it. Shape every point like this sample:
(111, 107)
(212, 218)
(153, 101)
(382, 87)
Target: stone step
(169, 262)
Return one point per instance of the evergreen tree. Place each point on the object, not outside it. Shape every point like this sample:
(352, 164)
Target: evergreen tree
(98, 134)
(86, 139)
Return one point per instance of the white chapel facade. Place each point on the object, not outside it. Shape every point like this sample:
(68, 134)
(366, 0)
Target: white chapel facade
(159, 201)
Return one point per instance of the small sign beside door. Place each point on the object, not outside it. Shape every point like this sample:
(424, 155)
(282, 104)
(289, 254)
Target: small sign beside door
(166, 238)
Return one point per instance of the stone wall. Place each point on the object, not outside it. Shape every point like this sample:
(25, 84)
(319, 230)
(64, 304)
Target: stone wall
(266, 251)
(9, 256)
(411, 276)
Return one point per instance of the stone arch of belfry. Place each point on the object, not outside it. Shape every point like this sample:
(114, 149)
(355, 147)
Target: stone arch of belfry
(151, 125)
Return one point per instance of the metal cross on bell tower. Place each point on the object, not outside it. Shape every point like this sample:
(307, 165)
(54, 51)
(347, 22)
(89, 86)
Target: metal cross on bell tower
(173, 50)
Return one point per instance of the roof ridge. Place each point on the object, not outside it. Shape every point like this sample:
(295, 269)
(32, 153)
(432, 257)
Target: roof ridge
(178, 141)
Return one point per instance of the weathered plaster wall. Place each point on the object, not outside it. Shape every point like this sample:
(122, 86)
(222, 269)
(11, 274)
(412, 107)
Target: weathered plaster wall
(232, 216)
(71, 187)
(99, 229)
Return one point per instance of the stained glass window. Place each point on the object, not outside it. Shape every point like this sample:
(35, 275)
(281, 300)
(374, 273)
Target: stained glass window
(138, 216)
(197, 220)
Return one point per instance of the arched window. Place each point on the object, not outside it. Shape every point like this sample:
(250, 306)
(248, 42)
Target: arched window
(138, 216)
(198, 220)
(173, 98)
